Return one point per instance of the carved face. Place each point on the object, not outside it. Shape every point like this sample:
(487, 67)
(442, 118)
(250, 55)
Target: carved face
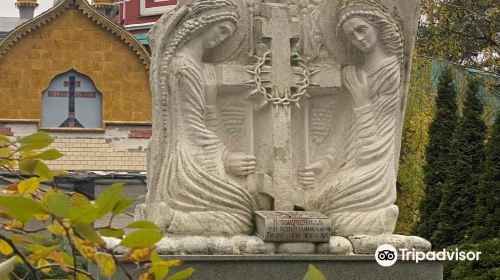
(361, 34)
(217, 33)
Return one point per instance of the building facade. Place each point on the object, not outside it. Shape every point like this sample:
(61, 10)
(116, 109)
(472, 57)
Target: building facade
(74, 72)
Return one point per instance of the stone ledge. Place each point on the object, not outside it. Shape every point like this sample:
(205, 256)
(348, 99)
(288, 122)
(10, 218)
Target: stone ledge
(253, 245)
(287, 267)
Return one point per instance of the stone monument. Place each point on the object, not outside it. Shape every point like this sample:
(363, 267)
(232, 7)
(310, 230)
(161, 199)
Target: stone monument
(284, 106)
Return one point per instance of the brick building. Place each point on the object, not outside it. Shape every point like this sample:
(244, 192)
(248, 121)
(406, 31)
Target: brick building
(77, 74)
(137, 16)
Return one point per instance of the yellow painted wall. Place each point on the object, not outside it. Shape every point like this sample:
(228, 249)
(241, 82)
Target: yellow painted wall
(74, 41)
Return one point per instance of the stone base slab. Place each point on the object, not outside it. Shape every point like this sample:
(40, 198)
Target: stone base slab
(289, 267)
(253, 245)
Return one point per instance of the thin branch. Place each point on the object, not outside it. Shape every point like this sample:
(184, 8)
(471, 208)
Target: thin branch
(471, 11)
(6, 180)
(23, 231)
(120, 264)
(456, 64)
(74, 269)
(17, 277)
(21, 255)
(484, 38)
(72, 245)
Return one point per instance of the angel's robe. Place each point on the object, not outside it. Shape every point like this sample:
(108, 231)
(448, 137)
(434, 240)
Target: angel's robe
(187, 160)
(359, 196)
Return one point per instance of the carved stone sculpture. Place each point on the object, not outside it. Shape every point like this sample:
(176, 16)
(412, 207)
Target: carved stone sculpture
(358, 190)
(278, 105)
(189, 189)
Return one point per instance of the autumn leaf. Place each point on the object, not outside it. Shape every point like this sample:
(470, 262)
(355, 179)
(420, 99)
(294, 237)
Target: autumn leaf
(146, 276)
(106, 263)
(181, 274)
(56, 229)
(85, 247)
(139, 255)
(313, 274)
(5, 248)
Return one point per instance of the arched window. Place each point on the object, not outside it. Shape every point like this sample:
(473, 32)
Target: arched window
(71, 100)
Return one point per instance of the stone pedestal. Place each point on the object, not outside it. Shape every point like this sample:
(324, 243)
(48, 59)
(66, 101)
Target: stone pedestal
(288, 267)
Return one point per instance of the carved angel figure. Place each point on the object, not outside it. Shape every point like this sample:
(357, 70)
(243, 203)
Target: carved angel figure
(189, 189)
(359, 195)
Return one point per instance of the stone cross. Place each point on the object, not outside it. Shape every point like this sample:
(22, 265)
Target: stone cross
(280, 30)
(282, 79)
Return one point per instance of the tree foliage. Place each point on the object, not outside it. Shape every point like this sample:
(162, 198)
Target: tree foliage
(465, 32)
(458, 202)
(418, 115)
(487, 268)
(67, 220)
(487, 214)
(437, 155)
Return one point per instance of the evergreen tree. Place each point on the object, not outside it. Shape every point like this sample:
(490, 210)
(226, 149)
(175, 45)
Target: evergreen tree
(440, 134)
(458, 201)
(487, 215)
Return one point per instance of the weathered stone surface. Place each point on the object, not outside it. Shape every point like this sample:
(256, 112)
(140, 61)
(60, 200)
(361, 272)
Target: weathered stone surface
(255, 245)
(272, 131)
(168, 246)
(292, 226)
(220, 246)
(185, 112)
(287, 267)
(337, 245)
(295, 248)
(367, 244)
(194, 245)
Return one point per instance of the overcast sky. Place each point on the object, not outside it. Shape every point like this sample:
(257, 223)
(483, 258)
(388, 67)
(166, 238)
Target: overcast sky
(8, 8)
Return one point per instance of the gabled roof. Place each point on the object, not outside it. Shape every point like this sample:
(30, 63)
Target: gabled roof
(85, 8)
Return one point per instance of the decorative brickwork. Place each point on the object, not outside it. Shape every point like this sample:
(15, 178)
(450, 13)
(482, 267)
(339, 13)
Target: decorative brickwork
(26, 3)
(140, 133)
(7, 131)
(95, 154)
(75, 37)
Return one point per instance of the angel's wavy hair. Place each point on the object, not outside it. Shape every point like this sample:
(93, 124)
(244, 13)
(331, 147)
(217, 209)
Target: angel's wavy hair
(390, 31)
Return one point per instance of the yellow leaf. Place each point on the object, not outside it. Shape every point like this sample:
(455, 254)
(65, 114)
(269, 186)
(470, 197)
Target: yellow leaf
(59, 258)
(42, 217)
(10, 189)
(42, 262)
(40, 252)
(86, 248)
(56, 229)
(81, 276)
(313, 274)
(5, 153)
(171, 263)
(106, 263)
(138, 255)
(28, 186)
(5, 248)
(13, 224)
(145, 276)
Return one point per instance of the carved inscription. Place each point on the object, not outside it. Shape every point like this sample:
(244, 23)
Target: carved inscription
(292, 226)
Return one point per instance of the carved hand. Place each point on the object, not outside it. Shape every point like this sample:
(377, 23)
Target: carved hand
(240, 164)
(357, 84)
(307, 176)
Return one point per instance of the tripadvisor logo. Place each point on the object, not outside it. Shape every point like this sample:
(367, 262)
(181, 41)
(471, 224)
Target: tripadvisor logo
(387, 255)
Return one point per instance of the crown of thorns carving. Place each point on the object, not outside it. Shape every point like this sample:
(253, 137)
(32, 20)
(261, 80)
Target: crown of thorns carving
(274, 96)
